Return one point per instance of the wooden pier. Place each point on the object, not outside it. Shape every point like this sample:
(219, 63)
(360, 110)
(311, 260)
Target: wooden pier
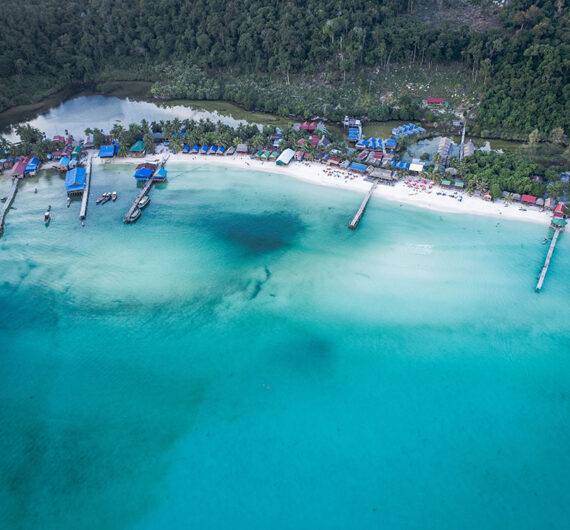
(356, 219)
(8, 203)
(547, 260)
(462, 145)
(83, 211)
(135, 204)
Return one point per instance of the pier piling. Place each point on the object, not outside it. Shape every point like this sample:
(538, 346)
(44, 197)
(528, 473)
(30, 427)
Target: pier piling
(356, 219)
(8, 203)
(547, 260)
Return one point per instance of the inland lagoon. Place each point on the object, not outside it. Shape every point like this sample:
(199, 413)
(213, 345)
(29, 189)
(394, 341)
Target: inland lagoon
(240, 359)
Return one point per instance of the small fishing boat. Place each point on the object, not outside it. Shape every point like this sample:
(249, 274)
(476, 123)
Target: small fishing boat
(68, 202)
(114, 196)
(106, 197)
(135, 215)
(144, 201)
(47, 216)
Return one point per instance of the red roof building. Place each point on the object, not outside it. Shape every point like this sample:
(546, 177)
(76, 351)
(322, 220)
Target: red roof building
(529, 199)
(438, 102)
(301, 141)
(315, 140)
(19, 167)
(58, 138)
(306, 126)
(560, 210)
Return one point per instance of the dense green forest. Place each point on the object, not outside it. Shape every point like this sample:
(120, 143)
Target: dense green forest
(517, 64)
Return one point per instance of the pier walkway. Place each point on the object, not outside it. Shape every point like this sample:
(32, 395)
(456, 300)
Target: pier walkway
(8, 203)
(135, 204)
(356, 219)
(547, 260)
(83, 211)
(462, 146)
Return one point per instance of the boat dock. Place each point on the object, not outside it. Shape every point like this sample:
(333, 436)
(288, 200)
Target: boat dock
(83, 211)
(547, 260)
(356, 219)
(8, 203)
(133, 208)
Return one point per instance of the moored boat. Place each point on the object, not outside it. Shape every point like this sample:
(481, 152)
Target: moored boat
(114, 196)
(134, 216)
(144, 201)
(47, 216)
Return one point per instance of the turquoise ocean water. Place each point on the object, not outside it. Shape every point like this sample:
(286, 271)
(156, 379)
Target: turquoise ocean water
(239, 359)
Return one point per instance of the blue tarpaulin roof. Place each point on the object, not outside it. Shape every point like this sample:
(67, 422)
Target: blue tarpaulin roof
(221, 149)
(358, 167)
(143, 173)
(186, 148)
(196, 148)
(161, 173)
(33, 164)
(204, 148)
(213, 149)
(106, 151)
(64, 161)
(75, 179)
(390, 142)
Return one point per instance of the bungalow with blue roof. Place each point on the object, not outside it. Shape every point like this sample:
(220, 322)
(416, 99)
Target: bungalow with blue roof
(195, 149)
(63, 164)
(75, 180)
(204, 150)
(32, 166)
(107, 151)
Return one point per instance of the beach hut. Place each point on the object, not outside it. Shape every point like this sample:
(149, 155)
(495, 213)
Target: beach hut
(274, 156)
(32, 166)
(137, 150)
(63, 164)
(451, 171)
(390, 143)
(213, 150)
(540, 202)
(221, 150)
(550, 203)
(560, 210)
(558, 222)
(241, 149)
(204, 150)
(362, 155)
(157, 137)
(459, 185)
(528, 199)
(75, 180)
(265, 155)
(446, 184)
(358, 168)
(186, 149)
(416, 167)
(516, 197)
(19, 168)
(230, 151)
(107, 151)
(195, 149)
(314, 140)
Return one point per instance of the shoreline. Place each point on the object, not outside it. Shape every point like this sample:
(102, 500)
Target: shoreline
(318, 174)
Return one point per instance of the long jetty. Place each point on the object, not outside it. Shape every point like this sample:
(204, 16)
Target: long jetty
(462, 146)
(83, 211)
(356, 219)
(547, 260)
(133, 208)
(8, 203)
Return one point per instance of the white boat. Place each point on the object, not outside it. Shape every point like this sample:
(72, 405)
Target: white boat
(114, 196)
(135, 215)
(144, 201)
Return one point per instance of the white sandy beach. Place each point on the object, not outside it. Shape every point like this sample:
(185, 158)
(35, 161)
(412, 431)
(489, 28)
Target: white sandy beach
(317, 173)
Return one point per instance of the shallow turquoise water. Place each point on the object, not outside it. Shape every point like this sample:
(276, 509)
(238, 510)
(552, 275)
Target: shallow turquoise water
(240, 359)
